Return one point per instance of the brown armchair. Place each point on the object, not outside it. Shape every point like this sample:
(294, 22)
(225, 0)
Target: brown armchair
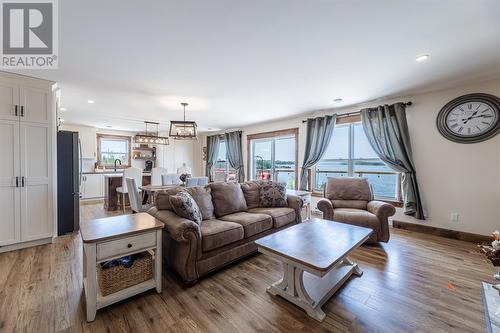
(350, 200)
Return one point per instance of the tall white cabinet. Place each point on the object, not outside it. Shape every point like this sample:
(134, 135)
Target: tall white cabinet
(28, 163)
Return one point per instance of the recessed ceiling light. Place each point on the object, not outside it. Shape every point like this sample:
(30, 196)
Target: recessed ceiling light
(62, 109)
(422, 57)
(109, 126)
(90, 101)
(209, 128)
(338, 100)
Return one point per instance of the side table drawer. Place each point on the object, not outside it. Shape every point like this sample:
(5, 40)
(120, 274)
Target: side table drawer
(125, 245)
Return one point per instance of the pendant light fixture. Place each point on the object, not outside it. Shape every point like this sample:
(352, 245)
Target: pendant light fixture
(183, 129)
(151, 139)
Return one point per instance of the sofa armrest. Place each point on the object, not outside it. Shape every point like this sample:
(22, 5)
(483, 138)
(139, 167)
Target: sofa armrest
(181, 244)
(176, 226)
(296, 203)
(381, 209)
(326, 206)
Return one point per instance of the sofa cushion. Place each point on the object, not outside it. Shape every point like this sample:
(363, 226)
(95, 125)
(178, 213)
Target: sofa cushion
(251, 190)
(358, 204)
(227, 198)
(162, 199)
(252, 223)
(273, 194)
(185, 206)
(216, 233)
(202, 196)
(281, 215)
(357, 217)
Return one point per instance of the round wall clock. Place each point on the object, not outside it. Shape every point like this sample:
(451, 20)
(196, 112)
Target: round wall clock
(470, 118)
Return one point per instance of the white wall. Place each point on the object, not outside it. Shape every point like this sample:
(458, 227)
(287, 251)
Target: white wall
(453, 178)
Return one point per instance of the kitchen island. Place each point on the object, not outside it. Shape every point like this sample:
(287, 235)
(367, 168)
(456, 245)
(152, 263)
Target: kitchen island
(111, 183)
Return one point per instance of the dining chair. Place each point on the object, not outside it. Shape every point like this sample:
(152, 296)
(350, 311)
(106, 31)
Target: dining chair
(157, 174)
(135, 197)
(122, 191)
(170, 179)
(191, 182)
(202, 181)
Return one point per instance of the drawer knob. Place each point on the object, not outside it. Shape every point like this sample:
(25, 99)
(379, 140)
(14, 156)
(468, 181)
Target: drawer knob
(129, 246)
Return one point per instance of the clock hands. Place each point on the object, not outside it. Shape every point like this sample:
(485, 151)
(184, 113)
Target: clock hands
(472, 117)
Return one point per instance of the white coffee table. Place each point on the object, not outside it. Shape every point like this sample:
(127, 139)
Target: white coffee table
(315, 261)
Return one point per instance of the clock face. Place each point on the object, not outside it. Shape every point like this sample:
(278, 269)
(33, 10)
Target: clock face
(471, 119)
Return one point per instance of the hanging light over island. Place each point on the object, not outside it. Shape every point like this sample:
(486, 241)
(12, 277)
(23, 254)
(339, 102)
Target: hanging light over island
(151, 138)
(182, 129)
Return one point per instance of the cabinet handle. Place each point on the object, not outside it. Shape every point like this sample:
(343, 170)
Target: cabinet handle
(22, 110)
(22, 181)
(17, 181)
(15, 109)
(129, 246)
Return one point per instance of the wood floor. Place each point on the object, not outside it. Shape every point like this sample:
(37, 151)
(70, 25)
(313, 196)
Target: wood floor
(405, 288)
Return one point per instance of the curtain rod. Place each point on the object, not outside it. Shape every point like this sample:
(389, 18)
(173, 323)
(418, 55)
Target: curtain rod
(358, 112)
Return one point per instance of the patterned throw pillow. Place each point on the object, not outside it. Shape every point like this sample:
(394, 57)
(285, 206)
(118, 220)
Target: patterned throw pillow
(273, 194)
(184, 205)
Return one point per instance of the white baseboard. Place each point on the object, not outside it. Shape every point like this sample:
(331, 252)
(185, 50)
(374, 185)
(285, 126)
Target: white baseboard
(24, 245)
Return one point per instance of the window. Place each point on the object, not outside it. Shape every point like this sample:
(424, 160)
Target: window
(112, 147)
(273, 156)
(222, 170)
(350, 154)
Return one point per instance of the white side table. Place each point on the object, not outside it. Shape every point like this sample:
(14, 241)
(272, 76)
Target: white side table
(306, 198)
(112, 238)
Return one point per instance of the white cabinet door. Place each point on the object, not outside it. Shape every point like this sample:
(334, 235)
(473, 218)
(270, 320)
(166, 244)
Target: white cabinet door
(37, 220)
(9, 99)
(93, 186)
(35, 104)
(88, 138)
(10, 221)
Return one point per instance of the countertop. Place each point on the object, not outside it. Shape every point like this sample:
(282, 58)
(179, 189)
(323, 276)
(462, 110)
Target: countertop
(111, 173)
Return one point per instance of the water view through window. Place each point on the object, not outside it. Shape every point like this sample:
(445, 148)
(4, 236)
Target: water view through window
(274, 159)
(349, 154)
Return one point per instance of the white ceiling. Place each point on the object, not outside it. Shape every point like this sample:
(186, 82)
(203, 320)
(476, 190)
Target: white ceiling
(239, 62)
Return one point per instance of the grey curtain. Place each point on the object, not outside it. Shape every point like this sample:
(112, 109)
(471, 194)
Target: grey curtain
(387, 131)
(234, 153)
(318, 136)
(212, 151)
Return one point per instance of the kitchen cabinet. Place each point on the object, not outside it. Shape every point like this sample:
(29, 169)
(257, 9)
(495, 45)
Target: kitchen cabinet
(27, 167)
(88, 141)
(92, 186)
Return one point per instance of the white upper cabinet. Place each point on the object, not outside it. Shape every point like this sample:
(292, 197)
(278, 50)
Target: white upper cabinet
(35, 104)
(88, 140)
(9, 100)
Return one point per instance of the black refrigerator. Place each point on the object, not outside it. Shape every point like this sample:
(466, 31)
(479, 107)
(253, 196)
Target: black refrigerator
(68, 182)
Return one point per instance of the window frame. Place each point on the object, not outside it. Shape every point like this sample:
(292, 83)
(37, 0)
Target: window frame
(290, 132)
(351, 121)
(228, 167)
(114, 138)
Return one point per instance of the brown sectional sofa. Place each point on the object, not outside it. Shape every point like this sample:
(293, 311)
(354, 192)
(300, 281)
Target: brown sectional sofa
(232, 221)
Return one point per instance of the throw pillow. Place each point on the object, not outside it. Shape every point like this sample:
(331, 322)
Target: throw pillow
(184, 205)
(203, 198)
(251, 190)
(273, 194)
(162, 199)
(227, 198)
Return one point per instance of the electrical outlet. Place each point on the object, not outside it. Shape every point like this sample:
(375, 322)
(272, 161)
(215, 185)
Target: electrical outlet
(454, 217)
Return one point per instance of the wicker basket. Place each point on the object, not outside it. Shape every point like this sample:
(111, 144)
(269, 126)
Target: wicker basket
(116, 278)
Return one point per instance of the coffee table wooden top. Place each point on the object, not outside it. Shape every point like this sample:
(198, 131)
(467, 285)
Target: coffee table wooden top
(315, 243)
(111, 227)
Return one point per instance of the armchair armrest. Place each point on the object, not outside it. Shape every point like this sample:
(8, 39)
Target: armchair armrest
(296, 203)
(381, 209)
(326, 206)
